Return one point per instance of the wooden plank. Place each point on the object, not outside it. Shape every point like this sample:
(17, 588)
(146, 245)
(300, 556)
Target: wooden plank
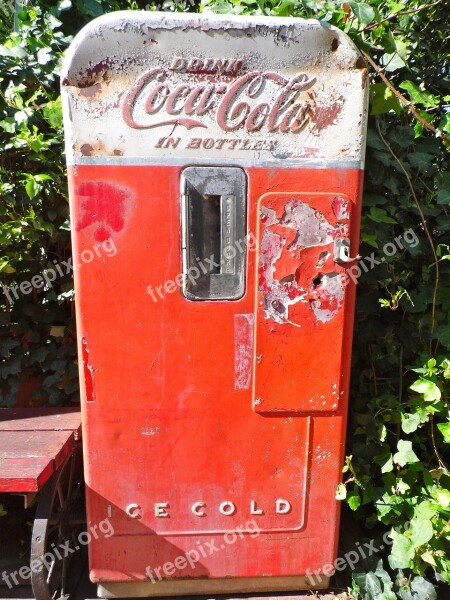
(40, 419)
(24, 474)
(37, 444)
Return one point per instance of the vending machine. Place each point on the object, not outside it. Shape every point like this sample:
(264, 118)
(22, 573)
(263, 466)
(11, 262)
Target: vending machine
(215, 169)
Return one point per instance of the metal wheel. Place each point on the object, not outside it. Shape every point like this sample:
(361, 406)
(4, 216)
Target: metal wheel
(58, 522)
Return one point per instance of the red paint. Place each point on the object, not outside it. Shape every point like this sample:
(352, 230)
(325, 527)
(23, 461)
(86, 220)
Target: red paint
(324, 116)
(87, 372)
(340, 207)
(101, 204)
(168, 424)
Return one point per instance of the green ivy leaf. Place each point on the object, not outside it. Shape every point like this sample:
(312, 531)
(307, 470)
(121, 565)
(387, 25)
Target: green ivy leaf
(362, 11)
(410, 422)
(341, 492)
(405, 454)
(383, 100)
(418, 95)
(53, 113)
(443, 497)
(428, 388)
(402, 551)
(31, 186)
(424, 590)
(379, 215)
(444, 428)
(421, 160)
(421, 532)
(442, 195)
(44, 56)
(428, 558)
(388, 465)
(354, 500)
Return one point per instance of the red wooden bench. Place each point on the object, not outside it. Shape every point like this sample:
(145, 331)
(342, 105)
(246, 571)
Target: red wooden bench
(33, 444)
(40, 451)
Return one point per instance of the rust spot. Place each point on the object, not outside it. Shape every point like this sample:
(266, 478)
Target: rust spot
(95, 74)
(91, 91)
(88, 371)
(324, 116)
(360, 63)
(96, 149)
(104, 205)
(87, 150)
(334, 44)
(364, 78)
(91, 81)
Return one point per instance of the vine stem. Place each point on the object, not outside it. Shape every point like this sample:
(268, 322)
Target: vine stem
(438, 456)
(401, 14)
(424, 223)
(409, 105)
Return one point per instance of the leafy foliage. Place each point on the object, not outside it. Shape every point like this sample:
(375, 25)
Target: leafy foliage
(397, 480)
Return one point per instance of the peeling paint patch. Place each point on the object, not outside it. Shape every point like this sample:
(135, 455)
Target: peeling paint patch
(286, 277)
(340, 208)
(243, 350)
(330, 296)
(278, 295)
(104, 205)
(268, 216)
(323, 257)
(88, 371)
(311, 226)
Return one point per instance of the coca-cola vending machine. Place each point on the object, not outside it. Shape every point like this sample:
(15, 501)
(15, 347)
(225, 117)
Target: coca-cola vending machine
(221, 158)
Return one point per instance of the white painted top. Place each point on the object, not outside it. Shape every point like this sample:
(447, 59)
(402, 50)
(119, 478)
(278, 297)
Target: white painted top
(163, 88)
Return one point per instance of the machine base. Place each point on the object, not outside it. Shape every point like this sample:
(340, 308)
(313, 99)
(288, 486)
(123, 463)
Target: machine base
(183, 587)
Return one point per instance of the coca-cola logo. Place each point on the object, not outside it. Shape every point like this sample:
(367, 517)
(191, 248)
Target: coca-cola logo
(252, 101)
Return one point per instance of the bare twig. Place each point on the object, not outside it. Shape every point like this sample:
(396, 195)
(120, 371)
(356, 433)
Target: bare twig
(424, 223)
(438, 456)
(409, 105)
(401, 14)
(374, 373)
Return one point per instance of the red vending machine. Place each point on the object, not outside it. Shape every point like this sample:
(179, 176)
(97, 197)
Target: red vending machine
(215, 170)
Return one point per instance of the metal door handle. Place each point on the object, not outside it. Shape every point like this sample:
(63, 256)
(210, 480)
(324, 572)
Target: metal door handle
(342, 252)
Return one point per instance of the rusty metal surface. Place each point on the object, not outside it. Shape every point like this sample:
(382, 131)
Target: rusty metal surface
(296, 92)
